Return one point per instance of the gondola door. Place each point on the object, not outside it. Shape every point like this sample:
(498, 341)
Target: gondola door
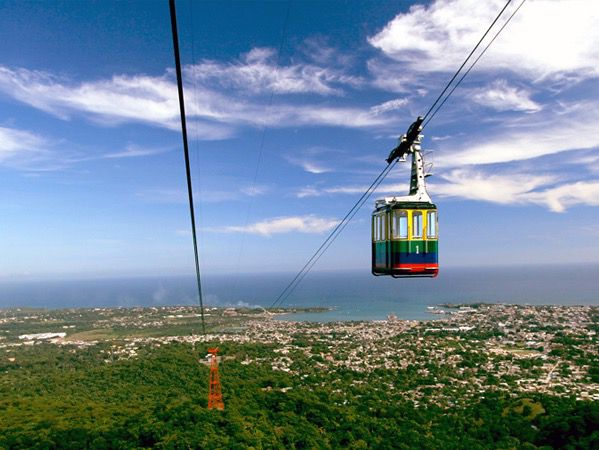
(380, 243)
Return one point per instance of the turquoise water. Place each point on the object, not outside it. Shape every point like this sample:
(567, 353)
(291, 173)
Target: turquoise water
(353, 295)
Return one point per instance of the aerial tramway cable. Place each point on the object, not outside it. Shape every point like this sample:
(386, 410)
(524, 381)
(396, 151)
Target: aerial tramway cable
(288, 290)
(466, 60)
(472, 65)
(332, 236)
(186, 153)
(262, 141)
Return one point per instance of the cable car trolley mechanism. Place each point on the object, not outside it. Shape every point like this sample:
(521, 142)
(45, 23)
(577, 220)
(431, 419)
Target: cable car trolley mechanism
(405, 228)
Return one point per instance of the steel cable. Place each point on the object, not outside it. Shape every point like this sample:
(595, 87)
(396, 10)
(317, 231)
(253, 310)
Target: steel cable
(466, 60)
(332, 235)
(473, 64)
(289, 288)
(186, 154)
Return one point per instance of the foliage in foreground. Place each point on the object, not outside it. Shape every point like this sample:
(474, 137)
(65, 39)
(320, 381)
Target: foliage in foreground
(60, 398)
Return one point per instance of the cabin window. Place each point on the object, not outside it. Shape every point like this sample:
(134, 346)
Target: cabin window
(378, 227)
(417, 224)
(399, 224)
(375, 228)
(431, 224)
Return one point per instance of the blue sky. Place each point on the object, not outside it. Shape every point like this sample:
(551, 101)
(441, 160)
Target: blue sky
(292, 108)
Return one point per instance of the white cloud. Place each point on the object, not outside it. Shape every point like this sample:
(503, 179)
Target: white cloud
(517, 188)
(393, 76)
(308, 191)
(318, 50)
(309, 164)
(14, 142)
(588, 159)
(278, 225)
(390, 105)
(120, 98)
(501, 96)
(445, 27)
(383, 189)
(590, 162)
(112, 101)
(29, 152)
(258, 72)
(507, 188)
(313, 167)
(443, 138)
(180, 196)
(307, 115)
(492, 187)
(502, 188)
(133, 151)
(560, 198)
(317, 159)
(549, 46)
(255, 191)
(546, 38)
(547, 132)
(153, 100)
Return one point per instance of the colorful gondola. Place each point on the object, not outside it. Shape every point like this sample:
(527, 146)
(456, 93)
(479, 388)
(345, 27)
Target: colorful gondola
(405, 238)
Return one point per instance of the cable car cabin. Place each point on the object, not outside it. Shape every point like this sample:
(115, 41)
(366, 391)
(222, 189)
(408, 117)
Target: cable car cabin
(405, 236)
(405, 239)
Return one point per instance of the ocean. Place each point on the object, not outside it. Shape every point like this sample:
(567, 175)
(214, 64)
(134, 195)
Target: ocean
(351, 295)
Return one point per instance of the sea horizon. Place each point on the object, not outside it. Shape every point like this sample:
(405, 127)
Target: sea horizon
(351, 295)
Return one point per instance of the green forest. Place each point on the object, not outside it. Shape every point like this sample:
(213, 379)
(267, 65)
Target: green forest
(61, 397)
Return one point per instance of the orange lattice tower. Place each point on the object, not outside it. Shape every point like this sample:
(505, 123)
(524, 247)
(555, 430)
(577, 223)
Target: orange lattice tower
(215, 395)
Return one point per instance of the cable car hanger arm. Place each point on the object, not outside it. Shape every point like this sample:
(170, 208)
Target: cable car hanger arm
(406, 141)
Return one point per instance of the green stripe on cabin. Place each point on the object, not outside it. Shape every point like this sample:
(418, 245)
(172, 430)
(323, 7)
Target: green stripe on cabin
(410, 246)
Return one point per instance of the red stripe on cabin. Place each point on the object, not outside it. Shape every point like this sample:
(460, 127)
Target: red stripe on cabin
(416, 266)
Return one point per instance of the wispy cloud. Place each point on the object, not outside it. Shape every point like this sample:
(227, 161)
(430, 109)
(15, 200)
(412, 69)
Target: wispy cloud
(287, 224)
(113, 101)
(134, 151)
(518, 188)
(221, 97)
(531, 47)
(30, 152)
(443, 138)
(500, 96)
(354, 189)
(318, 50)
(308, 191)
(180, 196)
(560, 198)
(255, 190)
(390, 105)
(502, 189)
(310, 166)
(314, 160)
(14, 142)
(509, 186)
(588, 161)
(257, 72)
(549, 132)
(492, 187)
(26, 151)
(117, 99)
